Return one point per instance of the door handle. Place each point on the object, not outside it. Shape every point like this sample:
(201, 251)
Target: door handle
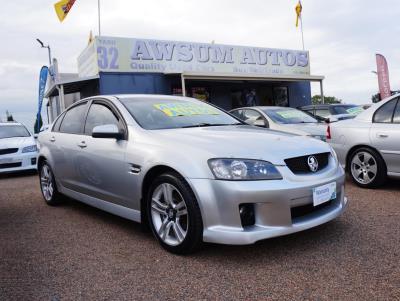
(82, 144)
(52, 139)
(381, 135)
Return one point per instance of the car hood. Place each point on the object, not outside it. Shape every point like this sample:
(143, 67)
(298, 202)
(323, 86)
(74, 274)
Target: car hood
(16, 142)
(246, 142)
(318, 129)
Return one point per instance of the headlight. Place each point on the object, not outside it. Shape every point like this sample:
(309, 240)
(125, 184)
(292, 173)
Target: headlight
(242, 169)
(29, 149)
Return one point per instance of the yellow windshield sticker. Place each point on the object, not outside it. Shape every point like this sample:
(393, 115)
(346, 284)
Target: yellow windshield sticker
(185, 109)
(290, 114)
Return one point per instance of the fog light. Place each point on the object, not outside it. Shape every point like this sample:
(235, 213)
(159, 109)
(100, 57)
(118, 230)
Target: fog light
(33, 161)
(247, 216)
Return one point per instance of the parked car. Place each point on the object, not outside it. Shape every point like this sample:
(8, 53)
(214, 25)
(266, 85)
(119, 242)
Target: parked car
(18, 149)
(283, 119)
(333, 112)
(191, 171)
(369, 144)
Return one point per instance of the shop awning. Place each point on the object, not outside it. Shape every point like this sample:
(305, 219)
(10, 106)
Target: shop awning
(70, 85)
(249, 77)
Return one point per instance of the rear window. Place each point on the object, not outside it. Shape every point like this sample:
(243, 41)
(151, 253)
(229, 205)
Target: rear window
(10, 131)
(347, 109)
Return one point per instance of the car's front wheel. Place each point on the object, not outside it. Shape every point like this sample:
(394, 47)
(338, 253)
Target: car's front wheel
(367, 168)
(48, 185)
(174, 214)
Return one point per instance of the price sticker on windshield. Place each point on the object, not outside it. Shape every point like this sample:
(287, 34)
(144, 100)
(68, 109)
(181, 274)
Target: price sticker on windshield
(185, 109)
(355, 110)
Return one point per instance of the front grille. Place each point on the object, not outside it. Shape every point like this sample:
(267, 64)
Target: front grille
(299, 165)
(10, 165)
(6, 151)
(300, 211)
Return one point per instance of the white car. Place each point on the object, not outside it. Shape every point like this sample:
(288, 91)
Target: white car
(283, 119)
(18, 150)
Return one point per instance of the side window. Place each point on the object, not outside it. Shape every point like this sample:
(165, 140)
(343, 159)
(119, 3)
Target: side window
(56, 127)
(254, 118)
(238, 114)
(73, 120)
(385, 113)
(396, 116)
(99, 114)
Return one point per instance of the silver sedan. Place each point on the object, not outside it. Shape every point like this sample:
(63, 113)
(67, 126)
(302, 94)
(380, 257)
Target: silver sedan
(189, 170)
(369, 145)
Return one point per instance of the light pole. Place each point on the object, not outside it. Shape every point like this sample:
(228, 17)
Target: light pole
(48, 50)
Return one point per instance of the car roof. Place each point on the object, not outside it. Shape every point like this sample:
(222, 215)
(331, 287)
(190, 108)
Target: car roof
(265, 108)
(10, 123)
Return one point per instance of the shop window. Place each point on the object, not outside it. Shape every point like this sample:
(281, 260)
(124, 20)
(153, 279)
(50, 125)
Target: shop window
(281, 96)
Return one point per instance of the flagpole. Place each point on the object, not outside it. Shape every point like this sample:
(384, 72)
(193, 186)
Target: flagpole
(302, 35)
(98, 11)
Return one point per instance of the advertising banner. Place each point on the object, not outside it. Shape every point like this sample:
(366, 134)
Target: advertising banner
(383, 76)
(42, 85)
(109, 54)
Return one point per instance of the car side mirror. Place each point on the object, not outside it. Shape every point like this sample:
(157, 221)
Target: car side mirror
(107, 131)
(331, 119)
(260, 123)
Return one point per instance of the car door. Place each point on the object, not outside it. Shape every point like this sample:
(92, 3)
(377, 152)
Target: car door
(64, 145)
(385, 133)
(103, 170)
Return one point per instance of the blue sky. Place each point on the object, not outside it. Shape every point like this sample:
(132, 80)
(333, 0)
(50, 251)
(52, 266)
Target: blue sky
(342, 37)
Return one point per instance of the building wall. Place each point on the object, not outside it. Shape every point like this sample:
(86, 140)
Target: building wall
(299, 94)
(134, 83)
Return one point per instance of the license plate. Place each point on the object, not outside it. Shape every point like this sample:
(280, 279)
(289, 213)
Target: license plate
(324, 193)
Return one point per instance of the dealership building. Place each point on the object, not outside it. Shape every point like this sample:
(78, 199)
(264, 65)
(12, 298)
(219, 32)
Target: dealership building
(225, 75)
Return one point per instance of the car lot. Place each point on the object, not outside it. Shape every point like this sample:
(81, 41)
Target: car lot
(76, 252)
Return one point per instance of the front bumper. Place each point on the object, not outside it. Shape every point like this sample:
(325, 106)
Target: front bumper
(18, 162)
(273, 202)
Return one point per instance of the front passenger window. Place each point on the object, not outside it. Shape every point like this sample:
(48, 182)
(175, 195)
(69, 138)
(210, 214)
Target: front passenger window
(99, 114)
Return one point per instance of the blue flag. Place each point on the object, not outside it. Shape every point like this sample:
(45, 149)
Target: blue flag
(42, 85)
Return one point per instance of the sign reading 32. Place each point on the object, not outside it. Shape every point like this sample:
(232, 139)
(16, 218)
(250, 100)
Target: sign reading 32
(107, 58)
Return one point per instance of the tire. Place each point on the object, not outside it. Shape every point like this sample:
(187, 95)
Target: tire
(48, 185)
(174, 214)
(367, 168)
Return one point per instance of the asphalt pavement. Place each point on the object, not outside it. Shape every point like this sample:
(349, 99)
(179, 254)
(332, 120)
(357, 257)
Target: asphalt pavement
(75, 252)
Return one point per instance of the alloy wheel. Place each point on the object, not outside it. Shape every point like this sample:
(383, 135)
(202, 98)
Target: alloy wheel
(169, 214)
(46, 182)
(364, 167)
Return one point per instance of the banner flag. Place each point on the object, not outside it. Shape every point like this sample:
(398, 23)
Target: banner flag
(298, 9)
(62, 8)
(383, 76)
(42, 85)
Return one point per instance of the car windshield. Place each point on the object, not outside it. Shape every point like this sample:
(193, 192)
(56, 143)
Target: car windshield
(155, 114)
(289, 116)
(347, 109)
(9, 131)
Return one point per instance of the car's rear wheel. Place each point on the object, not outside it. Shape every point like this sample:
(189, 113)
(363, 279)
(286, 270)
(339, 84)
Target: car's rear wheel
(48, 185)
(174, 214)
(367, 168)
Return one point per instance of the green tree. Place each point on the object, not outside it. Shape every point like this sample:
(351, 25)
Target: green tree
(316, 100)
